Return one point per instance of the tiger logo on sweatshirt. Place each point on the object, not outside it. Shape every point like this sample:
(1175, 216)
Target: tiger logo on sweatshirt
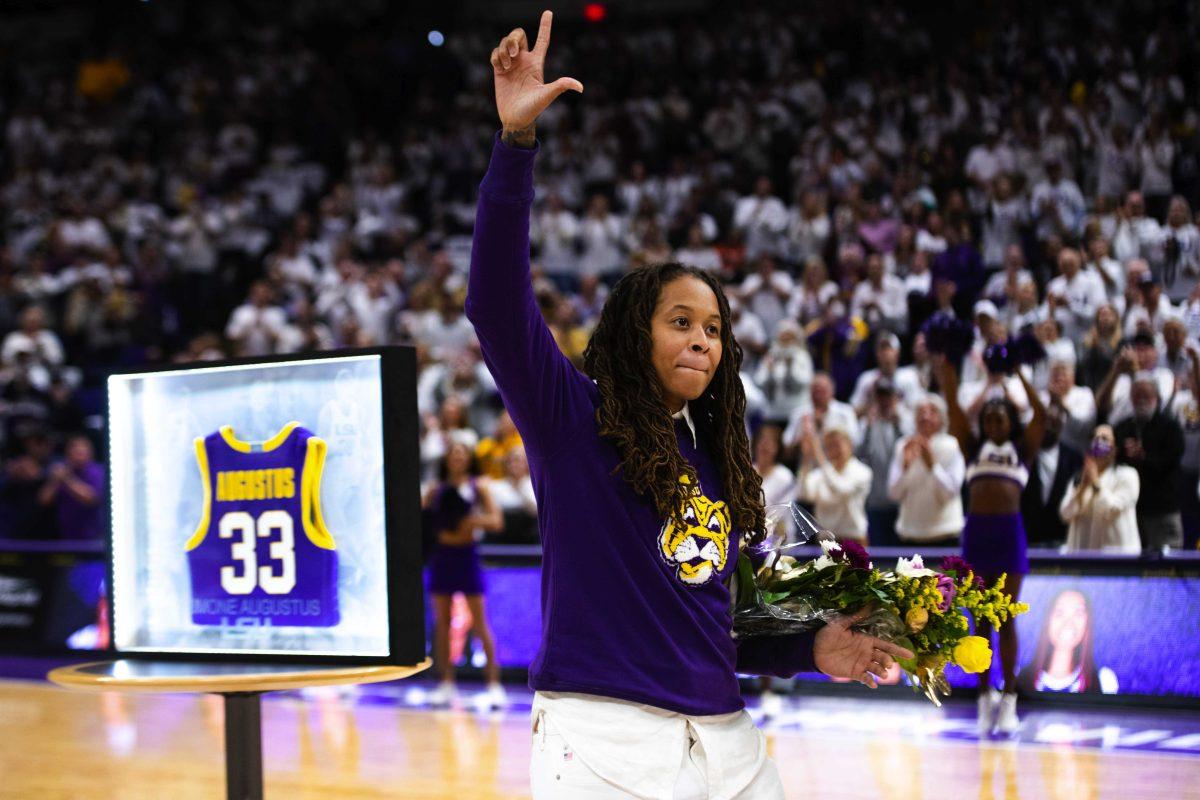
(700, 549)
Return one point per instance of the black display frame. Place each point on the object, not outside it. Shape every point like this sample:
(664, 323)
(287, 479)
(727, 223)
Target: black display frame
(402, 516)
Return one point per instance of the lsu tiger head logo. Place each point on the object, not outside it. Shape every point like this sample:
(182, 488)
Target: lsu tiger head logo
(700, 549)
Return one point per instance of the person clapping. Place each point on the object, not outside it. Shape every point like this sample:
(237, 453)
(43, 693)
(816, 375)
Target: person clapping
(1101, 507)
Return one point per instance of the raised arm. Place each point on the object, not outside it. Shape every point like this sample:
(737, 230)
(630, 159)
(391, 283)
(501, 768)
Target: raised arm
(1036, 428)
(958, 424)
(544, 393)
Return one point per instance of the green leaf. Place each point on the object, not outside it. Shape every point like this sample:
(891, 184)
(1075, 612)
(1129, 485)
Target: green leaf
(907, 664)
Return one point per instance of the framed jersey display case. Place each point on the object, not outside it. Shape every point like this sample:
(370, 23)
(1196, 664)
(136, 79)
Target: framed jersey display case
(268, 510)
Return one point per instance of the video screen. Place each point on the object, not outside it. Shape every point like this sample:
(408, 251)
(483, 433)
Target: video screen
(248, 509)
(1093, 634)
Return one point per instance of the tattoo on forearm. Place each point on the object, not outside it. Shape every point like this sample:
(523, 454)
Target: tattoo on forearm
(522, 137)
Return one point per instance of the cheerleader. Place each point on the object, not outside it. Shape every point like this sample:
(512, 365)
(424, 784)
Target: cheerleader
(456, 506)
(993, 539)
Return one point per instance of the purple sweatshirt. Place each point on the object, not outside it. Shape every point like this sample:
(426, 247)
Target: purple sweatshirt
(631, 608)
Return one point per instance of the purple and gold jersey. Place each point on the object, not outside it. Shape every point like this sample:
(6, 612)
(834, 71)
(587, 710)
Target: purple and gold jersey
(262, 554)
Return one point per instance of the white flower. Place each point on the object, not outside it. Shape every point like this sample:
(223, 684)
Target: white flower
(823, 562)
(829, 545)
(785, 563)
(914, 568)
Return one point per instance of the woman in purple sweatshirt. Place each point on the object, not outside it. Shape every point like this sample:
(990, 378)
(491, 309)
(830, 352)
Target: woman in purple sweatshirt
(645, 489)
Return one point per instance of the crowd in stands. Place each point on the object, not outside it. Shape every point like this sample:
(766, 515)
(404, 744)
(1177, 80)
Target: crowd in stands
(847, 170)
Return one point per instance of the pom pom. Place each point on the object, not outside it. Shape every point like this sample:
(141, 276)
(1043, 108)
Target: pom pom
(949, 336)
(1003, 359)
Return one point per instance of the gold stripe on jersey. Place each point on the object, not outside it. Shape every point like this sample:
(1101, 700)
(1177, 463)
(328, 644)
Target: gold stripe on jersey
(248, 447)
(314, 521)
(206, 514)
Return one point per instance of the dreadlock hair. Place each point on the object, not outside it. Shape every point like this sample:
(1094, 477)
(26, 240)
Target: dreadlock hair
(632, 412)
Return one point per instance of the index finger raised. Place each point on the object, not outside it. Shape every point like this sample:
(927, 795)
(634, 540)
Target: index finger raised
(543, 38)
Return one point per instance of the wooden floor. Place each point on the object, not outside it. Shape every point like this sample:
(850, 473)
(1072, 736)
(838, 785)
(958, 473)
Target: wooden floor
(62, 744)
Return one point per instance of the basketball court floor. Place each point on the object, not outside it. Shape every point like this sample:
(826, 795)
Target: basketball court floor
(380, 741)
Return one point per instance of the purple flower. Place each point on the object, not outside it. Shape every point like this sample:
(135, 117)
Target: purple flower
(945, 585)
(960, 567)
(956, 564)
(855, 553)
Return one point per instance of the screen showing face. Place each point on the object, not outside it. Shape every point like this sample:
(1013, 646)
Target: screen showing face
(248, 509)
(1093, 634)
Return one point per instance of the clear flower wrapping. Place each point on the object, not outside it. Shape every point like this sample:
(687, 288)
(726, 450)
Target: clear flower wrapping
(777, 592)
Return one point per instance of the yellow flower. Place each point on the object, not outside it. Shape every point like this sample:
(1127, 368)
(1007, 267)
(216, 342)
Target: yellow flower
(973, 654)
(916, 619)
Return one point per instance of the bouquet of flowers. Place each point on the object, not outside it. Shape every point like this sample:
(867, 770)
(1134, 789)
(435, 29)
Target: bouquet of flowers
(921, 609)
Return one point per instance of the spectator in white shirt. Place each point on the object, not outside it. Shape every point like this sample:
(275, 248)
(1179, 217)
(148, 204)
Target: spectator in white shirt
(925, 478)
(808, 227)
(1025, 311)
(778, 482)
(82, 231)
(1154, 310)
(374, 303)
(1137, 235)
(699, 253)
(766, 291)
(42, 346)
(1001, 287)
(554, 231)
(821, 411)
(1180, 251)
(601, 234)
(762, 219)
(785, 373)
(1155, 157)
(835, 482)
(880, 300)
(256, 327)
(1077, 401)
(514, 495)
(813, 293)
(1105, 267)
(1101, 507)
(1074, 294)
(988, 159)
(1058, 349)
(1113, 397)
(905, 380)
(750, 333)
(1005, 216)
(1057, 205)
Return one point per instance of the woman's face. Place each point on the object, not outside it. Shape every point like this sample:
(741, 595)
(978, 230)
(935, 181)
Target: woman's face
(515, 463)
(686, 335)
(1068, 620)
(837, 447)
(995, 424)
(1104, 440)
(929, 420)
(454, 414)
(458, 459)
(766, 449)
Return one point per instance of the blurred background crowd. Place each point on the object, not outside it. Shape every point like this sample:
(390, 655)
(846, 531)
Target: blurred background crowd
(277, 180)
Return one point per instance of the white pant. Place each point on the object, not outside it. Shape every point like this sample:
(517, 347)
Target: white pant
(556, 773)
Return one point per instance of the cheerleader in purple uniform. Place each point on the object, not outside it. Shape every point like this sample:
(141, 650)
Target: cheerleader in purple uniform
(993, 538)
(456, 506)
